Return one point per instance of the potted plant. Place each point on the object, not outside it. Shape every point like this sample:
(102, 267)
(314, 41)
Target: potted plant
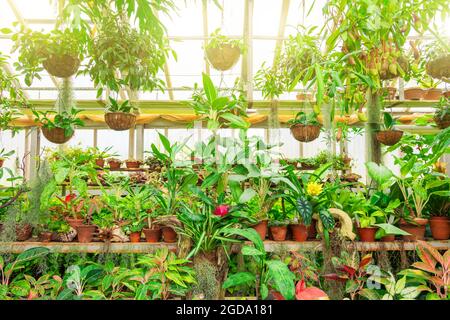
(442, 113)
(278, 221)
(119, 117)
(61, 128)
(114, 163)
(152, 232)
(133, 163)
(222, 52)
(135, 206)
(59, 52)
(438, 208)
(389, 136)
(86, 230)
(365, 222)
(305, 127)
(258, 215)
(100, 155)
(299, 230)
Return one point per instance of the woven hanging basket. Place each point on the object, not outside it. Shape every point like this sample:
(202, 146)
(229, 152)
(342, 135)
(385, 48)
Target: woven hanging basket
(120, 121)
(63, 66)
(305, 133)
(442, 123)
(439, 68)
(224, 57)
(389, 137)
(56, 135)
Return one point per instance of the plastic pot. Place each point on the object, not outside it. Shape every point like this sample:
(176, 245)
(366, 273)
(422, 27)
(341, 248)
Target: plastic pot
(299, 232)
(367, 234)
(278, 232)
(440, 228)
(261, 228)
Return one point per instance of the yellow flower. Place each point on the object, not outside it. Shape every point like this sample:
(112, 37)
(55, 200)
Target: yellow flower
(314, 188)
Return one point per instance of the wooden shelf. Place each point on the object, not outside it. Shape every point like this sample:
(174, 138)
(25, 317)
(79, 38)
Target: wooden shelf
(144, 247)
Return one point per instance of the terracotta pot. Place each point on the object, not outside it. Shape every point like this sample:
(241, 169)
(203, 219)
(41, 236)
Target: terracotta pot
(389, 137)
(56, 135)
(135, 237)
(367, 234)
(389, 92)
(414, 93)
(312, 231)
(100, 163)
(133, 164)
(169, 235)
(417, 230)
(114, 165)
(442, 123)
(45, 236)
(305, 133)
(224, 57)
(2, 161)
(278, 232)
(62, 66)
(440, 228)
(261, 228)
(152, 235)
(299, 232)
(446, 94)
(74, 223)
(23, 232)
(85, 233)
(388, 238)
(120, 121)
(432, 94)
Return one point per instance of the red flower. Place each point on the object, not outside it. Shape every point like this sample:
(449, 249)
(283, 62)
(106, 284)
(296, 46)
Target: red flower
(70, 197)
(221, 210)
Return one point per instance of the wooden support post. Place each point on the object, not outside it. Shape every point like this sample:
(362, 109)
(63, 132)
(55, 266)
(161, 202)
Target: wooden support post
(131, 143)
(247, 56)
(35, 147)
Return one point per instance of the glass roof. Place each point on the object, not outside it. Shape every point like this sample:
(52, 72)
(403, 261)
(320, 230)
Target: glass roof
(185, 31)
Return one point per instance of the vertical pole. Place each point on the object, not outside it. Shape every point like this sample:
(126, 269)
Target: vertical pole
(205, 31)
(140, 142)
(131, 143)
(373, 148)
(247, 57)
(35, 147)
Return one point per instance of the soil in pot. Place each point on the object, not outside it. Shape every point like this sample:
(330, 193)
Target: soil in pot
(56, 135)
(261, 228)
(432, 94)
(389, 137)
(388, 238)
(414, 93)
(85, 233)
(169, 235)
(278, 233)
(152, 235)
(440, 228)
(299, 232)
(367, 234)
(305, 133)
(135, 237)
(23, 232)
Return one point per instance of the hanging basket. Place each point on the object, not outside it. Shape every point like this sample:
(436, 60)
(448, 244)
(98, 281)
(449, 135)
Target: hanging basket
(442, 123)
(439, 68)
(389, 137)
(224, 57)
(63, 66)
(305, 133)
(120, 121)
(56, 135)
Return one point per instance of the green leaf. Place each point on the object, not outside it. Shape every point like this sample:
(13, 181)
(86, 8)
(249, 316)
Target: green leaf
(379, 173)
(282, 278)
(247, 195)
(391, 229)
(61, 174)
(238, 279)
(327, 219)
(305, 209)
(208, 87)
(248, 233)
(235, 121)
(251, 251)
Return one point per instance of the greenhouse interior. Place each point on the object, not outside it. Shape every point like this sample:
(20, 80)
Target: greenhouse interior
(224, 150)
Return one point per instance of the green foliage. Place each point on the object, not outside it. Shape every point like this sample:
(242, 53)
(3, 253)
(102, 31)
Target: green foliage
(64, 120)
(217, 40)
(115, 106)
(305, 119)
